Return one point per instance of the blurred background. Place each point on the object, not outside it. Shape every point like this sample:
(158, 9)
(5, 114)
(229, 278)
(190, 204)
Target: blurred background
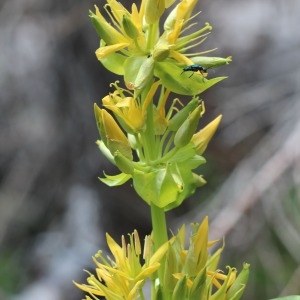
(54, 212)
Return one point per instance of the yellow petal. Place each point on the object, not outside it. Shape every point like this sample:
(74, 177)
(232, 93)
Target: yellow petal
(174, 34)
(103, 52)
(126, 109)
(154, 10)
(117, 9)
(137, 18)
(115, 249)
(88, 289)
(181, 58)
(185, 9)
(202, 138)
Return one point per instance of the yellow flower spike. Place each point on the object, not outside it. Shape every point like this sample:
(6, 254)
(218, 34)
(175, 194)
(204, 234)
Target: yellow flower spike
(203, 137)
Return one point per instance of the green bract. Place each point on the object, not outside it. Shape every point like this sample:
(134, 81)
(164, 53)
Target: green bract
(182, 83)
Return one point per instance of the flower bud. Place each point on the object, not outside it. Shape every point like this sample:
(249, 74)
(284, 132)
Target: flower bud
(161, 53)
(123, 163)
(186, 130)
(202, 138)
(237, 288)
(181, 116)
(199, 180)
(145, 73)
(111, 134)
(211, 62)
(129, 27)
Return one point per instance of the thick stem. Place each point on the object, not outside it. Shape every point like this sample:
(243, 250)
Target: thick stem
(160, 237)
(159, 226)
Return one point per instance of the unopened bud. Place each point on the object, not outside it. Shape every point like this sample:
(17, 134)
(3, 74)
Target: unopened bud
(187, 129)
(202, 138)
(129, 27)
(161, 53)
(123, 163)
(181, 116)
(237, 288)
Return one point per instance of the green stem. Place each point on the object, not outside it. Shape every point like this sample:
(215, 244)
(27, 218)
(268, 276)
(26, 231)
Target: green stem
(160, 237)
(159, 226)
(149, 136)
(152, 35)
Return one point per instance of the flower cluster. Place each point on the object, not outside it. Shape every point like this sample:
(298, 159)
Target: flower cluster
(132, 46)
(123, 277)
(189, 274)
(164, 174)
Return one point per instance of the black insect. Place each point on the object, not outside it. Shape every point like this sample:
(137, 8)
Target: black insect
(195, 68)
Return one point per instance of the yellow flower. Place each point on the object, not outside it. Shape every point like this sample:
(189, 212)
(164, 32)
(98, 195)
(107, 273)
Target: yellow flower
(132, 45)
(123, 276)
(112, 135)
(127, 109)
